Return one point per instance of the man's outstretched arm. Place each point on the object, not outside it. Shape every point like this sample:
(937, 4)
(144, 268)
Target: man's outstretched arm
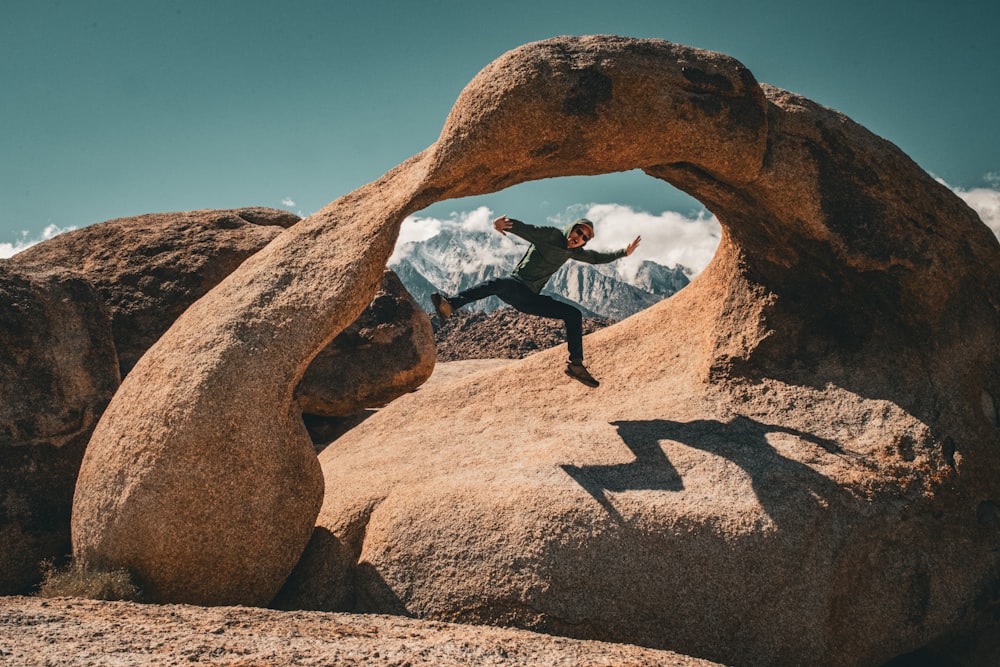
(503, 224)
(529, 233)
(632, 246)
(597, 257)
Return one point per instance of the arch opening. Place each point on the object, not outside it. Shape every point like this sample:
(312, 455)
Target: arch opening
(450, 245)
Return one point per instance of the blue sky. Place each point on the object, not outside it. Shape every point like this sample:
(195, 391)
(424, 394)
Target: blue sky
(116, 108)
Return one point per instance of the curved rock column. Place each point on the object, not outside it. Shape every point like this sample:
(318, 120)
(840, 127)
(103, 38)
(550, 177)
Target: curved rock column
(200, 477)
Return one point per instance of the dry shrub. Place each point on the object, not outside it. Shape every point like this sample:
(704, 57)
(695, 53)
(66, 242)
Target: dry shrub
(77, 580)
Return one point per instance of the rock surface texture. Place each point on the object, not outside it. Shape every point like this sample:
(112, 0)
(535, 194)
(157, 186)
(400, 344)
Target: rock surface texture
(57, 373)
(795, 460)
(71, 632)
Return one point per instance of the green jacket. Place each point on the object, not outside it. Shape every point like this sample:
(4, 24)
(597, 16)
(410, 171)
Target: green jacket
(548, 252)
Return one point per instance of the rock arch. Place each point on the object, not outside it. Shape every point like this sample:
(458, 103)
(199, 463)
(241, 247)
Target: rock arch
(200, 476)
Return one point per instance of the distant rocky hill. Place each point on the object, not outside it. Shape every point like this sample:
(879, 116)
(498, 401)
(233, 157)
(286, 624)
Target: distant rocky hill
(502, 334)
(461, 256)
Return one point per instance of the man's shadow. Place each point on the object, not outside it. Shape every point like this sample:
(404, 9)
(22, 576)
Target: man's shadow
(651, 469)
(782, 485)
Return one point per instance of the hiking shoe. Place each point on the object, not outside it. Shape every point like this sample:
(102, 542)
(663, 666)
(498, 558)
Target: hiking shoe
(578, 371)
(441, 305)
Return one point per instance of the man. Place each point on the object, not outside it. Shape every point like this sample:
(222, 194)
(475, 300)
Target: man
(550, 249)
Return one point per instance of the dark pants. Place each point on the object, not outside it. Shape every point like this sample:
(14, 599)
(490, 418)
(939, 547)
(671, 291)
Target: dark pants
(517, 294)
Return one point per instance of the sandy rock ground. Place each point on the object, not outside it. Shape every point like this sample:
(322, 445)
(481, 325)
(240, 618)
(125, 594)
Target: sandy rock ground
(75, 632)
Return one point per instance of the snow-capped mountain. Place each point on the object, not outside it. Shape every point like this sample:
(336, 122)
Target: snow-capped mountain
(602, 290)
(460, 256)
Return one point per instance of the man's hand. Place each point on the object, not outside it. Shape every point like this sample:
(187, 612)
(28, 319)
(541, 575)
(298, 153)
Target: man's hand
(632, 246)
(503, 224)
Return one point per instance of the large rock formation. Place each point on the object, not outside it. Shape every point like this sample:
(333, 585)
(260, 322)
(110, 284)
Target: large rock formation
(57, 373)
(150, 268)
(794, 460)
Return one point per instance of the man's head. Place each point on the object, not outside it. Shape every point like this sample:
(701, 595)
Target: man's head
(579, 233)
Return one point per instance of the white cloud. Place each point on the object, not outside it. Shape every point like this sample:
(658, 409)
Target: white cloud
(288, 201)
(481, 244)
(478, 220)
(984, 201)
(415, 229)
(10, 249)
(669, 238)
